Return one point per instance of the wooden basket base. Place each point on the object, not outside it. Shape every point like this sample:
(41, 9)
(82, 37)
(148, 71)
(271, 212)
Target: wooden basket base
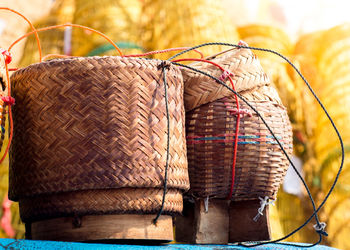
(201, 226)
(243, 227)
(123, 227)
(222, 223)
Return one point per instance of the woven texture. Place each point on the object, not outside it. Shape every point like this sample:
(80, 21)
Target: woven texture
(119, 20)
(110, 201)
(247, 74)
(210, 130)
(96, 123)
(269, 37)
(178, 23)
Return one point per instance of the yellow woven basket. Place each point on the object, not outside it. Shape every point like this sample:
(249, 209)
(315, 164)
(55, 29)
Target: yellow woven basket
(119, 20)
(182, 23)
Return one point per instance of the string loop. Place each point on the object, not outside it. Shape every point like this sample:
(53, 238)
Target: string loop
(263, 203)
(320, 228)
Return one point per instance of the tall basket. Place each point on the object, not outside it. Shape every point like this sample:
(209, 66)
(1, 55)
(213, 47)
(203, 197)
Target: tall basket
(90, 145)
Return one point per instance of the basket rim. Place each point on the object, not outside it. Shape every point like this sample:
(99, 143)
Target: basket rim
(61, 61)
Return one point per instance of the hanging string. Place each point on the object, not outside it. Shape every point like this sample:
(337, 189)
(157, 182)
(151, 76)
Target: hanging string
(324, 110)
(31, 26)
(8, 101)
(165, 66)
(226, 74)
(35, 31)
(67, 25)
(319, 226)
(268, 127)
(8, 59)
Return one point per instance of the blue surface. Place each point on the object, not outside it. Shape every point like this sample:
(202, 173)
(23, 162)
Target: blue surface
(36, 245)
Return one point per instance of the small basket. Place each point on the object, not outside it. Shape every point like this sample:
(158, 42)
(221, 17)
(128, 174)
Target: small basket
(90, 138)
(210, 130)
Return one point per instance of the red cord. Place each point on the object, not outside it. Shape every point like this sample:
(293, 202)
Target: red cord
(223, 76)
(8, 100)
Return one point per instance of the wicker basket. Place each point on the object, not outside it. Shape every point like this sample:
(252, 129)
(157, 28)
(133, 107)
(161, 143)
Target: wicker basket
(119, 20)
(270, 37)
(90, 138)
(182, 23)
(210, 130)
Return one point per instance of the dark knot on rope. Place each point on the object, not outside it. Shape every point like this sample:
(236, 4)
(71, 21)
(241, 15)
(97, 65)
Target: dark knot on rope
(164, 65)
(320, 228)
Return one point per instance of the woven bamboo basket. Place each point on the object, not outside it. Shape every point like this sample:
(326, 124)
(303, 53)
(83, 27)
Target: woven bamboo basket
(270, 37)
(324, 59)
(90, 138)
(182, 23)
(210, 129)
(119, 20)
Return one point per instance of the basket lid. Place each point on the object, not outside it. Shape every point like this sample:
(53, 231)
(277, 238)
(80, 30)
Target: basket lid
(242, 63)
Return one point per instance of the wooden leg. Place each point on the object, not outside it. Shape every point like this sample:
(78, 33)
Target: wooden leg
(204, 227)
(104, 227)
(28, 233)
(184, 224)
(242, 225)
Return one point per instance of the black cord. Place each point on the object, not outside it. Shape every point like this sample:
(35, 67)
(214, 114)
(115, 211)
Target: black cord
(313, 93)
(163, 66)
(320, 231)
(279, 143)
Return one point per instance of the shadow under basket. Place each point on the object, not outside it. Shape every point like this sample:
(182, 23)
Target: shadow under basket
(90, 144)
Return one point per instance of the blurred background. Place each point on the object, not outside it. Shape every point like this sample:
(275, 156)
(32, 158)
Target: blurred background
(314, 34)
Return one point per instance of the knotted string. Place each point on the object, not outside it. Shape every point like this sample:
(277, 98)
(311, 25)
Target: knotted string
(319, 226)
(316, 210)
(263, 203)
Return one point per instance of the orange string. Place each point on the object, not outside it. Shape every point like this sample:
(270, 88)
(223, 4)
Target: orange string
(67, 25)
(237, 121)
(8, 77)
(10, 116)
(164, 51)
(31, 26)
